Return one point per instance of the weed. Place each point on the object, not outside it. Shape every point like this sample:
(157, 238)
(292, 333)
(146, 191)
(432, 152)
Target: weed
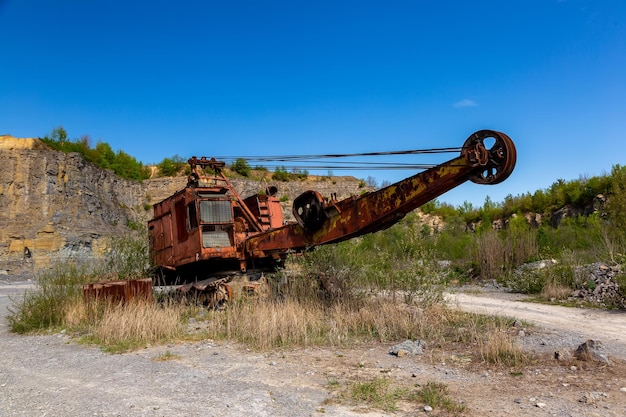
(435, 394)
(377, 393)
(166, 356)
(333, 384)
(498, 348)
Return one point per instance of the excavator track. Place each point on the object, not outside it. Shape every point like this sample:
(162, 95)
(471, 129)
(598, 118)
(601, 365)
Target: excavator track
(213, 293)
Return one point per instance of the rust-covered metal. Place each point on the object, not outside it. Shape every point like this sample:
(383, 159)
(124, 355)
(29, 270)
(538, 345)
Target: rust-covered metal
(322, 221)
(213, 293)
(206, 231)
(200, 231)
(119, 291)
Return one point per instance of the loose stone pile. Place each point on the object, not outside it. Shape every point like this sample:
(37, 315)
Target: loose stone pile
(599, 285)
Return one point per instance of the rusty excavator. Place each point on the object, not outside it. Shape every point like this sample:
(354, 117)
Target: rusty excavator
(205, 235)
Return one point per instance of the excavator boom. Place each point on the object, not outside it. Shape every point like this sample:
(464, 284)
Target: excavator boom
(322, 221)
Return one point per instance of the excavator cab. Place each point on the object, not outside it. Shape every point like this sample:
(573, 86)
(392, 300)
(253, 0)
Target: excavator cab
(199, 231)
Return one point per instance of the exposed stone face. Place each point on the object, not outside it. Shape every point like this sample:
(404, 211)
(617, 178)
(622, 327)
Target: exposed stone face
(56, 205)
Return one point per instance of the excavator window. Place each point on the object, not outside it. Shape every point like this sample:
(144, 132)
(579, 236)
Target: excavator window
(192, 216)
(216, 216)
(216, 236)
(216, 211)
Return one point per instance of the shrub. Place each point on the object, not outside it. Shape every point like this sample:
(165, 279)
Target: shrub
(102, 155)
(498, 253)
(498, 348)
(241, 167)
(280, 174)
(170, 167)
(57, 291)
(127, 258)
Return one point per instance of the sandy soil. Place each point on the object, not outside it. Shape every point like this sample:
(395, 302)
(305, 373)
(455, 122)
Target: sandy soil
(52, 376)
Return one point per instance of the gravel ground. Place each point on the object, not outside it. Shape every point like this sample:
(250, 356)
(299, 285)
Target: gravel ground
(53, 376)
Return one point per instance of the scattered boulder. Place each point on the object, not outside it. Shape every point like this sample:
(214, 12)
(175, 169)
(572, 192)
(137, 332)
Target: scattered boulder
(592, 350)
(593, 397)
(408, 347)
(534, 266)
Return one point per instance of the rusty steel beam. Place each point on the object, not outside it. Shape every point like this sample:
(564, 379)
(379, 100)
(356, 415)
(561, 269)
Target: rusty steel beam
(119, 291)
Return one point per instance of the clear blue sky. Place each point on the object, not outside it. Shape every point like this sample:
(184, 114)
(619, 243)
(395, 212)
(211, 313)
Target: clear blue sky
(160, 78)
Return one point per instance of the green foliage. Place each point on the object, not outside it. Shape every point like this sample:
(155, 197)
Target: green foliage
(281, 174)
(44, 308)
(127, 257)
(102, 155)
(498, 253)
(241, 167)
(436, 208)
(381, 393)
(616, 206)
(170, 167)
(580, 233)
(528, 282)
(301, 174)
(377, 393)
(435, 394)
(578, 193)
(395, 260)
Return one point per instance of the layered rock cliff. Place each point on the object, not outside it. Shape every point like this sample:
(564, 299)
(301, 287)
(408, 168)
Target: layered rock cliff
(56, 205)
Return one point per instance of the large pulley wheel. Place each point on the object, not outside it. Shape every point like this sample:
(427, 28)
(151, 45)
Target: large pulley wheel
(492, 153)
(308, 209)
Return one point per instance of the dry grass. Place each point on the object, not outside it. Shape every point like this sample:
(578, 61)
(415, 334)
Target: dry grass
(499, 348)
(267, 324)
(122, 327)
(555, 291)
(497, 255)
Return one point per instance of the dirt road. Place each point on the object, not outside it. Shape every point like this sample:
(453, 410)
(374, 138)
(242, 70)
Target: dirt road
(53, 376)
(578, 324)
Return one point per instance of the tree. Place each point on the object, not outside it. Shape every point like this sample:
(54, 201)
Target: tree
(169, 167)
(59, 135)
(241, 167)
(616, 206)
